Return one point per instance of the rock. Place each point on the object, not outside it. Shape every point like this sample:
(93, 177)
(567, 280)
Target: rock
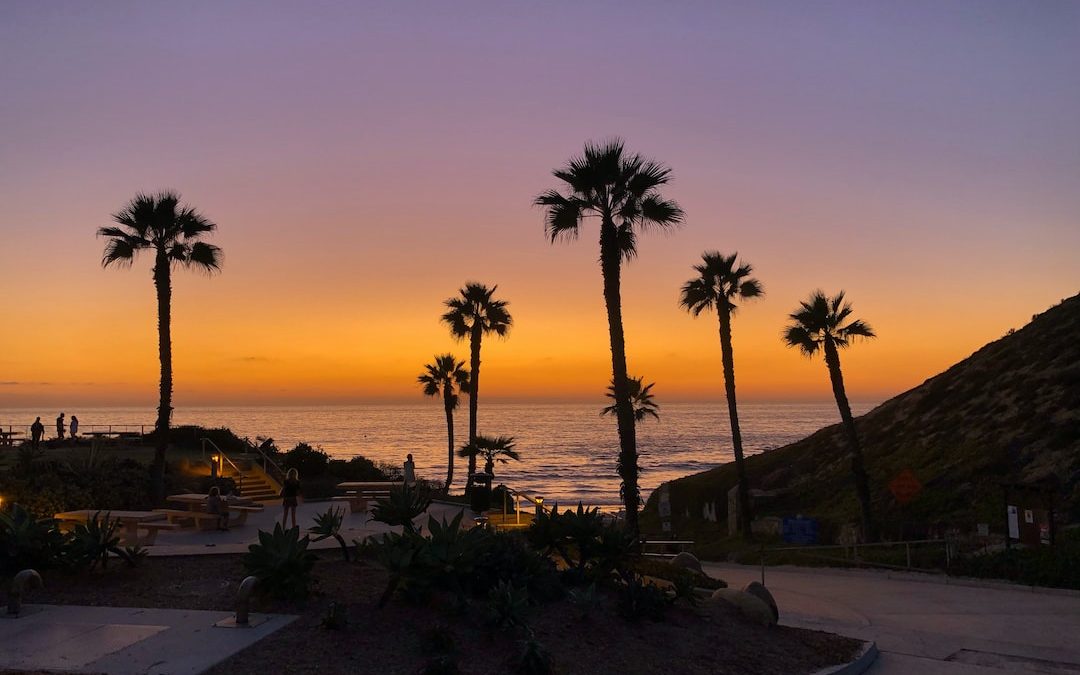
(687, 561)
(750, 606)
(760, 592)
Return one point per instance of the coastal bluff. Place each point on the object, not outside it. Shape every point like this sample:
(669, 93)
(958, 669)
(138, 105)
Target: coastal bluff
(1009, 413)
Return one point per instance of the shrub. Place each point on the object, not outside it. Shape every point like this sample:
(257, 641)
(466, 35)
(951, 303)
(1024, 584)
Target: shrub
(506, 557)
(281, 562)
(27, 542)
(533, 658)
(639, 600)
(507, 605)
(357, 469)
(590, 548)
(308, 461)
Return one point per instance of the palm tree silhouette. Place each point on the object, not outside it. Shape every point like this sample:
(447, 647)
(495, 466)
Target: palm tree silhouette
(622, 190)
(473, 313)
(492, 449)
(641, 399)
(822, 323)
(719, 283)
(446, 376)
(172, 233)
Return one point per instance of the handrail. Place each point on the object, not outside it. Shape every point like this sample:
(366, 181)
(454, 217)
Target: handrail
(268, 463)
(860, 562)
(537, 502)
(225, 458)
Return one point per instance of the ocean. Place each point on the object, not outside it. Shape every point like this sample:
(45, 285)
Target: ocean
(568, 451)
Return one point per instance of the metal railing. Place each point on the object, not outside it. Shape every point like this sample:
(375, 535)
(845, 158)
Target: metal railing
(854, 555)
(537, 502)
(269, 466)
(223, 458)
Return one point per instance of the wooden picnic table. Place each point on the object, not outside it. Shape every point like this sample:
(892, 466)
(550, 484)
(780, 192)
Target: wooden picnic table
(130, 520)
(360, 493)
(369, 485)
(197, 502)
(8, 437)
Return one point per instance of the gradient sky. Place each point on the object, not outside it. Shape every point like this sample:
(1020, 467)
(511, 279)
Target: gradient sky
(364, 160)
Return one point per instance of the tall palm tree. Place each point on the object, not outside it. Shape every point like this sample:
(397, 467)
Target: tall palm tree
(492, 449)
(171, 233)
(641, 398)
(474, 313)
(622, 191)
(446, 376)
(718, 285)
(823, 323)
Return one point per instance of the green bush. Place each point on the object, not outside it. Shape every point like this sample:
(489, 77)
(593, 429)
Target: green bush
(281, 562)
(638, 600)
(328, 524)
(92, 542)
(308, 461)
(402, 506)
(28, 542)
(506, 606)
(533, 658)
(590, 547)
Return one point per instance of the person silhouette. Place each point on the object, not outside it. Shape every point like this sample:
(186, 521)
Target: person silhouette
(410, 471)
(60, 427)
(37, 432)
(74, 428)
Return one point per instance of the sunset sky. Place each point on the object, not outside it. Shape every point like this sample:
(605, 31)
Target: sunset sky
(364, 160)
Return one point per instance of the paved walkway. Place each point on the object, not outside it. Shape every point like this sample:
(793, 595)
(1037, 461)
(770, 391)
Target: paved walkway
(190, 541)
(120, 641)
(927, 627)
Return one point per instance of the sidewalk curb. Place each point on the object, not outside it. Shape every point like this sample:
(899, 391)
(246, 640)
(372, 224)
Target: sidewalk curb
(942, 579)
(860, 665)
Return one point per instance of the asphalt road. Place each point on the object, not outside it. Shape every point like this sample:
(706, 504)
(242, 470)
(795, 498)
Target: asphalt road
(929, 627)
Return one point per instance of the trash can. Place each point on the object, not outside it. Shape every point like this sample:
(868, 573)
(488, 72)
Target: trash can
(480, 495)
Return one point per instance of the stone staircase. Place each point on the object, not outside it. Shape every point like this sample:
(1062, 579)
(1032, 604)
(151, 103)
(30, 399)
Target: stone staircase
(254, 483)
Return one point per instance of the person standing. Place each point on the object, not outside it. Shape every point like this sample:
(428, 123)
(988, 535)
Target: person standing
(290, 495)
(37, 432)
(60, 427)
(410, 471)
(74, 429)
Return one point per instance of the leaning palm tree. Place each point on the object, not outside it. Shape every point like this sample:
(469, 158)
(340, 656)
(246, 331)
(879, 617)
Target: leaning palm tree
(492, 449)
(474, 313)
(718, 285)
(622, 191)
(446, 376)
(172, 233)
(823, 323)
(641, 398)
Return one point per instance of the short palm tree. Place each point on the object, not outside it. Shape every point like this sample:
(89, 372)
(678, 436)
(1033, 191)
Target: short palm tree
(641, 398)
(824, 323)
(173, 234)
(446, 376)
(492, 449)
(720, 283)
(622, 191)
(473, 313)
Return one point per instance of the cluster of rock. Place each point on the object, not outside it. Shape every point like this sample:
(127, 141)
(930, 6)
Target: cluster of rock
(754, 601)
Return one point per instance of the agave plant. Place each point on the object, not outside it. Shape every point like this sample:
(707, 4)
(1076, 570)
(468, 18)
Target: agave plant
(328, 524)
(27, 542)
(403, 505)
(92, 542)
(281, 562)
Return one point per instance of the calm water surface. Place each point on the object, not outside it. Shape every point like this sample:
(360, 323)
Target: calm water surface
(567, 451)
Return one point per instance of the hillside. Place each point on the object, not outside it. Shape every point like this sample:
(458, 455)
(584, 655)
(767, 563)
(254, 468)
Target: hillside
(1009, 412)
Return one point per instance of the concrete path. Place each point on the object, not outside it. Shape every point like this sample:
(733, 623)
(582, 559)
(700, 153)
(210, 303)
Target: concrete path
(125, 640)
(927, 627)
(190, 541)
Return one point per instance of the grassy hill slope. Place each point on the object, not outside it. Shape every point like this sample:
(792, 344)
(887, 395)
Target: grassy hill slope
(1009, 412)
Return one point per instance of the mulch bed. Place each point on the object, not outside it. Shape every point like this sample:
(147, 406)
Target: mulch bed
(396, 638)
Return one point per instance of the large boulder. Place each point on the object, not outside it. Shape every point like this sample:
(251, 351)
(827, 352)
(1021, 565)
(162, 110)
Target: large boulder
(750, 606)
(687, 561)
(760, 592)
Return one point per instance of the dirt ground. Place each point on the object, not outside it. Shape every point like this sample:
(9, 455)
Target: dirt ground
(399, 637)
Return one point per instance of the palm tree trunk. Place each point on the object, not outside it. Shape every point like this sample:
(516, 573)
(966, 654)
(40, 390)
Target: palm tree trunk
(610, 265)
(728, 359)
(163, 285)
(858, 468)
(474, 392)
(448, 404)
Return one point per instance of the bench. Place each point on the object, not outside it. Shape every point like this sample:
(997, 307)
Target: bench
(201, 519)
(151, 532)
(669, 548)
(359, 499)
